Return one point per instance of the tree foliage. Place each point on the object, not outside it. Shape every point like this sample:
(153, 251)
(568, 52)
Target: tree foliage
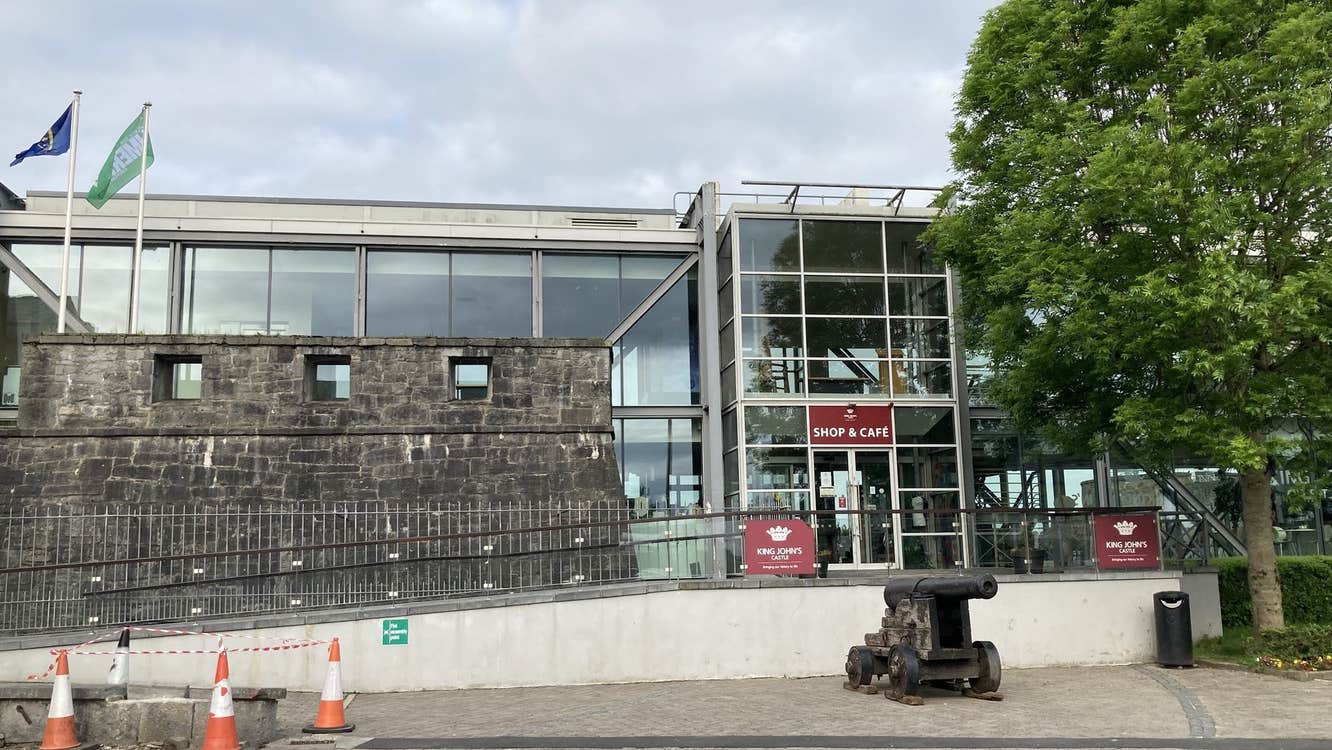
(1141, 222)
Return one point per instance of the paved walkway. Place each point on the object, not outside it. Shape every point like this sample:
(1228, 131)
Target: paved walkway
(1211, 706)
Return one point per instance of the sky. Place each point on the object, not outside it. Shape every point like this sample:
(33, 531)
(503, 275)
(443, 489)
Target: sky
(609, 103)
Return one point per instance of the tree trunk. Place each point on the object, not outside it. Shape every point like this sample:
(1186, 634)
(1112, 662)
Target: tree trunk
(1264, 584)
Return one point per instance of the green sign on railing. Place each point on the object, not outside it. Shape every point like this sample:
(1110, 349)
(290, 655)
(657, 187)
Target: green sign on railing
(395, 632)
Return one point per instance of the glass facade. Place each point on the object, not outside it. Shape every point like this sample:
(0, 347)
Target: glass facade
(844, 312)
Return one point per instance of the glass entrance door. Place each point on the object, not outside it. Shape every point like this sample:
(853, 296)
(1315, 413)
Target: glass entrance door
(849, 481)
(834, 491)
(874, 470)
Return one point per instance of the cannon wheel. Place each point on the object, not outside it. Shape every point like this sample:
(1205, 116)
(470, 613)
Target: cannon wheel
(860, 665)
(990, 669)
(903, 674)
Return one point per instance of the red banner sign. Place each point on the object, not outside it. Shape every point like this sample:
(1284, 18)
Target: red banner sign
(851, 425)
(1127, 540)
(778, 548)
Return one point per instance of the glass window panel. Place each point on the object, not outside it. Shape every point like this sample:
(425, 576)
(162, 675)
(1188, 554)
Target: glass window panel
(684, 480)
(407, 293)
(728, 385)
(471, 381)
(774, 377)
(905, 253)
(491, 294)
(639, 276)
(770, 295)
(724, 258)
(656, 362)
(770, 337)
(923, 425)
(769, 245)
(314, 292)
(731, 471)
(726, 302)
(226, 290)
(779, 500)
(662, 465)
(927, 467)
(154, 290)
(775, 425)
(776, 468)
(843, 246)
(22, 316)
(843, 295)
(918, 296)
(925, 522)
(730, 429)
(863, 338)
(920, 339)
(186, 380)
(99, 286)
(849, 376)
(727, 344)
(922, 379)
(332, 382)
(580, 295)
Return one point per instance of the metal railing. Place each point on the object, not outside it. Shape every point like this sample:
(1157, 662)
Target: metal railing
(70, 567)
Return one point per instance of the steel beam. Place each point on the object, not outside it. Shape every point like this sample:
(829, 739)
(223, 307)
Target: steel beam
(656, 295)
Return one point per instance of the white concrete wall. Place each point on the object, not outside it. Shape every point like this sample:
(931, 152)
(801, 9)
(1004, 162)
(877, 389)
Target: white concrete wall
(673, 635)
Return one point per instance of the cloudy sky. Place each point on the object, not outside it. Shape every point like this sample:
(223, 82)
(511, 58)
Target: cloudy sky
(559, 101)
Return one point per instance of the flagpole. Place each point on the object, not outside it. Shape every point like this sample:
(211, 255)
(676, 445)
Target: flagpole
(69, 212)
(138, 229)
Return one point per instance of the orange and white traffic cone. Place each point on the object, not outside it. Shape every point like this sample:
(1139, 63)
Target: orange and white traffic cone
(60, 734)
(220, 733)
(331, 717)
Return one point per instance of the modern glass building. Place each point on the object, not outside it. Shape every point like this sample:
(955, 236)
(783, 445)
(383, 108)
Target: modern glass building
(793, 354)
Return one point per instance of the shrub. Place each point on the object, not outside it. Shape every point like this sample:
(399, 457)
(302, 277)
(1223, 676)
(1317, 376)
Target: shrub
(1295, 642)
(1306, 589)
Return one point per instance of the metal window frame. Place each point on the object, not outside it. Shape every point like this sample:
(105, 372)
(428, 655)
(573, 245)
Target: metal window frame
(73, 322)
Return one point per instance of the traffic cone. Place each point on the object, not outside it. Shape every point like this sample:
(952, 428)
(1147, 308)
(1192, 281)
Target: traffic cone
(220, 733)
(59, 734)
(331, 718)
(119, 674)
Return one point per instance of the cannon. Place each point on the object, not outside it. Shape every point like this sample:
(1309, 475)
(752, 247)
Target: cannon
(925, 638)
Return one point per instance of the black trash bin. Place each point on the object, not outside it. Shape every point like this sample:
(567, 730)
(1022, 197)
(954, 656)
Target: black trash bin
(1174, 629)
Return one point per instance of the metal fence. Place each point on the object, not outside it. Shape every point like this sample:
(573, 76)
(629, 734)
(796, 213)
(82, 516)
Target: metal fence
(67, 567)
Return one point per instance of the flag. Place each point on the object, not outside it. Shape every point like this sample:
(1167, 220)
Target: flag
(122, 164)
(52, 143)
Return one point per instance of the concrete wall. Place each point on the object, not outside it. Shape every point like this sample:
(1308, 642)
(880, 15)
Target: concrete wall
(701, 630)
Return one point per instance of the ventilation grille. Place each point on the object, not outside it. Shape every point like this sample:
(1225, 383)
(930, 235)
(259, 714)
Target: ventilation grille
(586, 221)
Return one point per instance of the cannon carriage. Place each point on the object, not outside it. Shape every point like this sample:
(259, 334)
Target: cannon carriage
(925, 638)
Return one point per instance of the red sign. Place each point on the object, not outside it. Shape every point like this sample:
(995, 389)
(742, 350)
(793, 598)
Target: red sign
(851, 425)
(1127, 540)
(778, 548)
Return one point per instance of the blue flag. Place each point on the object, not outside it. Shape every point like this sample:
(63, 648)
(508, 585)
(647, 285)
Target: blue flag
(52, 143)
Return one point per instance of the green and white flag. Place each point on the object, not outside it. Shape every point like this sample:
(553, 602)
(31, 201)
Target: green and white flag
(122, 165)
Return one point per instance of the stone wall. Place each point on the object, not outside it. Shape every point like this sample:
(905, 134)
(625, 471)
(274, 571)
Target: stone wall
(94, 434)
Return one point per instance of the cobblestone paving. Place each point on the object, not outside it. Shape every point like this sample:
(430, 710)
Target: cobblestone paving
(1053, 702)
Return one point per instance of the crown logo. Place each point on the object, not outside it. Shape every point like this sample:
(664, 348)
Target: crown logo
(778, 533)
(1125, 528)
(850, 415)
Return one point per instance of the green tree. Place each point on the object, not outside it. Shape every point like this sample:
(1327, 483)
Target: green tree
(1141, 225)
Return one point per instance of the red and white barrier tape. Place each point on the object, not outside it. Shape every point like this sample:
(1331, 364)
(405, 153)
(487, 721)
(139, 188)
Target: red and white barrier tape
(286, 644)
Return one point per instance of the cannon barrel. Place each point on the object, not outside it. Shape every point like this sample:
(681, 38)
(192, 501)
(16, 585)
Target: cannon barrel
(944, 587)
